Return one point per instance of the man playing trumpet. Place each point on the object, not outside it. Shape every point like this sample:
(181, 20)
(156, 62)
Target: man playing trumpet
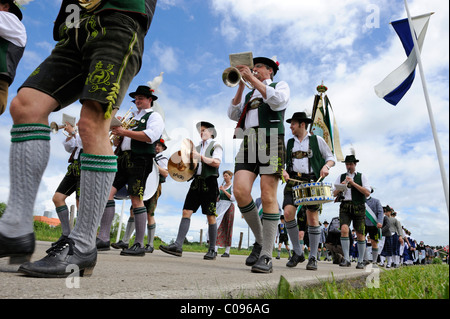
(260, 118)
(134, 164)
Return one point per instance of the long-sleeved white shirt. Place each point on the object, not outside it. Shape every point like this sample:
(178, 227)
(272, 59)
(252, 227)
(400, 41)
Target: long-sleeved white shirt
(277, 98)
(154, 128)
(300, 165)
(74, 142)
(12, 29)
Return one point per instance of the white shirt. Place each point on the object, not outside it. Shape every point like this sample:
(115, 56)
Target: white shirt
(217, 154)
(161, 160)
(348, 192)
(12, 29)
(74, 142)
(154, 128)
(277, 99)
(300, 165)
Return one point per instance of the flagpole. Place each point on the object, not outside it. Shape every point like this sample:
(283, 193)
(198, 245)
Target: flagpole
(430, 111)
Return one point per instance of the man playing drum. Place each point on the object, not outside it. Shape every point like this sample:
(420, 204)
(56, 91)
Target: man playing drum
(308, 158)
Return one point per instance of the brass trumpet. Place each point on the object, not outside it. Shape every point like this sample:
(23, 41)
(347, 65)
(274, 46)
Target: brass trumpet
(231, 77)
(125, 122)
(55, 127)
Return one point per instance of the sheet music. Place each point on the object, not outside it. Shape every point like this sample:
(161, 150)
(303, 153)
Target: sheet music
(68, 118)
(244, 58)
(115, 122)
(340, 187)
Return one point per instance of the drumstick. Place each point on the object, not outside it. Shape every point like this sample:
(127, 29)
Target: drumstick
(319, 179)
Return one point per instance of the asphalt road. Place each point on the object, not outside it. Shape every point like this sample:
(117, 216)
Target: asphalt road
(162, 276)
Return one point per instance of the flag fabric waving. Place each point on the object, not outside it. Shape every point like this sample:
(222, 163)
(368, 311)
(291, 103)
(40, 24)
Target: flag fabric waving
(397, 83)
(322, 122)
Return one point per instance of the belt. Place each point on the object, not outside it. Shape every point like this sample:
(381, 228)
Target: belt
(301, 154)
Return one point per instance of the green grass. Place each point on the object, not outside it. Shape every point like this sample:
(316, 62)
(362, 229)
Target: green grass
(412, 282)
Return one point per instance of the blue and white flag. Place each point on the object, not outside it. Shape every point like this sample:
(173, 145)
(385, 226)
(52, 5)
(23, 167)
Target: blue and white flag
(396, 84)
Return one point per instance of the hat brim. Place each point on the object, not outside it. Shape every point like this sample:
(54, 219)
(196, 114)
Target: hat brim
(269, 62)
(13, 8)
(163, 145)
(208, 126)
(306, 120)
(133, 95)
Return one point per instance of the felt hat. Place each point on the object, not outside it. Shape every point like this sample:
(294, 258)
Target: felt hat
(144, 90)
(208, 126)
(273, 63)
(350, 159)
(14, 7)
(300, 117)
(162, 142)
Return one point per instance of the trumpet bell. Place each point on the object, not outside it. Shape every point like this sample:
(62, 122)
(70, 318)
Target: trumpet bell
(231, 77)
(54, 127)
(182, 165)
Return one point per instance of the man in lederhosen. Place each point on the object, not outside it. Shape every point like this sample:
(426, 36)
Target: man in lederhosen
(71, 181)
(96, 56)
(203, 191)
(134, 164)
(308, 157)
(353, 208)
(260, 117)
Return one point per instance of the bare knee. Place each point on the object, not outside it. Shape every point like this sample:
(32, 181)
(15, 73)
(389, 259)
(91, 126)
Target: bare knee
(59, 199)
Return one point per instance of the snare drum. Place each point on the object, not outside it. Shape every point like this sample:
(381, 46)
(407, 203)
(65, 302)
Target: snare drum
(315, 193)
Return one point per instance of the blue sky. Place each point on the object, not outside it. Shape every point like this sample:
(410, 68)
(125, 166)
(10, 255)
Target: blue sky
(324, 40)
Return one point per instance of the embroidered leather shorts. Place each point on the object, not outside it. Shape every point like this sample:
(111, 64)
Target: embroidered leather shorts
(261, 154)
(95, 61)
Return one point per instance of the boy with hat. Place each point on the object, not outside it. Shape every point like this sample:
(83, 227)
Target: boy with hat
(353, 208)
(13, 38)
(94, 62)
(203, 191)
(134, 163)
(260, 118)
(308, 158)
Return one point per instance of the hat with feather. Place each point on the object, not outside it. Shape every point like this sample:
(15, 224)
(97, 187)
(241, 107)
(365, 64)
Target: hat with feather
(351, 158)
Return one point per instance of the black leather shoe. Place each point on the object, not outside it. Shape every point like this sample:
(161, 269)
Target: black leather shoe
(63, 259)
(295, 259)
(210, 255)
(102, 245)
(254, 255)
(312, 263)
(345, 263)
(18, 249)
(263, 265)
(149, 249)
(171, 249)
(360, 265)
(119, 245)
(135, 250)
(225, 255)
